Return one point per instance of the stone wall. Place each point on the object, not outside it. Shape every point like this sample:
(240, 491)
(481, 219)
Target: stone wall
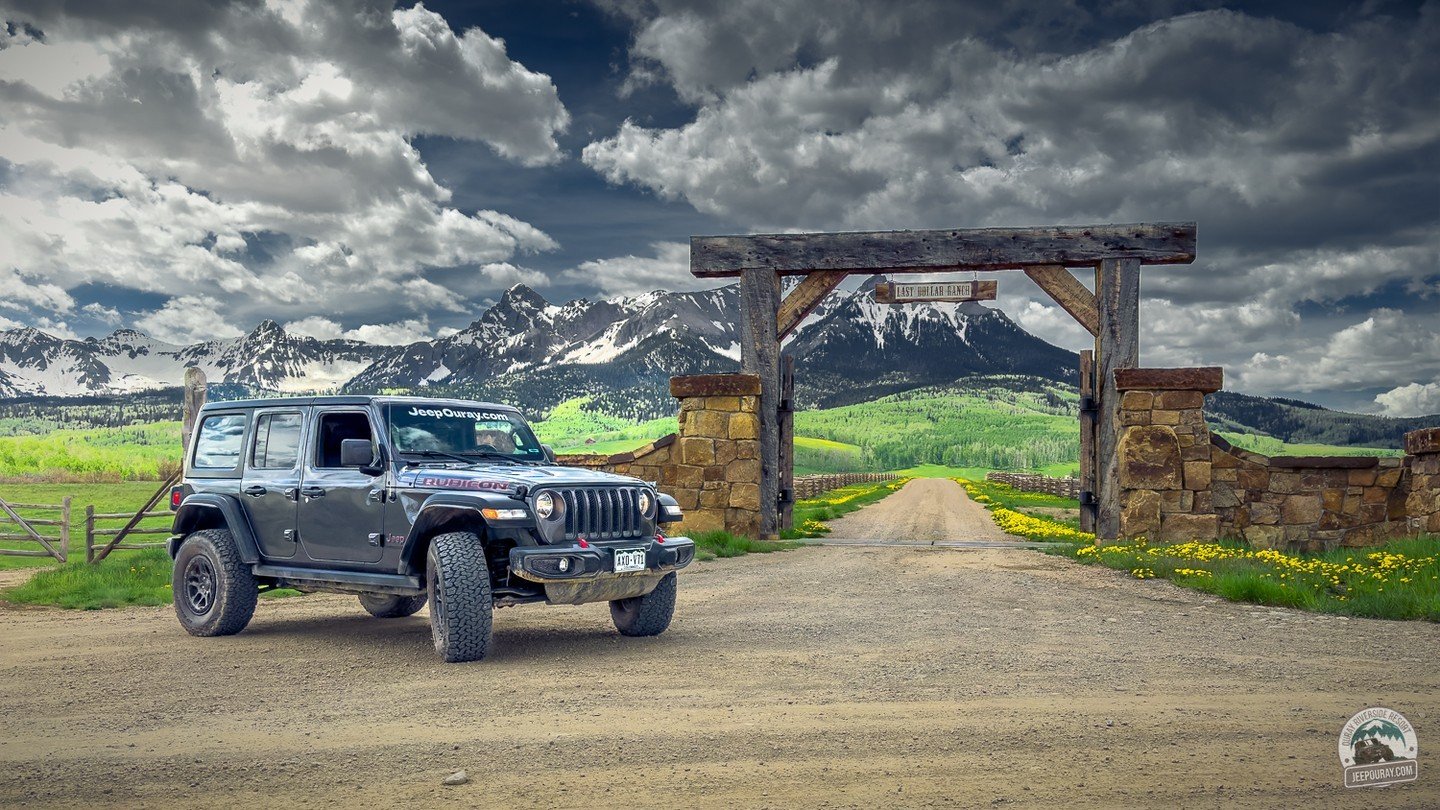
(1180, 483)
(1422, 500)
(1307, 503)
(712, 466)
(1164, 454)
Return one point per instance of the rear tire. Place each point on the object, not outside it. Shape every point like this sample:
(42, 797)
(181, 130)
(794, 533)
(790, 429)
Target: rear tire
(388, 606)
(215, 593)
(647, 615)
(457, 580)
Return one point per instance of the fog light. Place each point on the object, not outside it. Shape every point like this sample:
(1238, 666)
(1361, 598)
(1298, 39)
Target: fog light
(564, 564)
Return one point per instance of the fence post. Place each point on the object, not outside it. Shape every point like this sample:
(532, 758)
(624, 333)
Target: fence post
(90, 533)
(65, 529)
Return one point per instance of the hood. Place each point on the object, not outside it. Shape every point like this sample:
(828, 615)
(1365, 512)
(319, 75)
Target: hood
(506, 478)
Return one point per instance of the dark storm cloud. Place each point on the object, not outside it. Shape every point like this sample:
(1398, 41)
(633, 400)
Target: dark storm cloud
(1307, 149)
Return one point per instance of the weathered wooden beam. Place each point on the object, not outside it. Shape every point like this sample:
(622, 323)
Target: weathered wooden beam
(928, 251)
(1117, 346)
(804, 298)
(888, 292)
(1087, 439)
(760, 355)
(1069, 293)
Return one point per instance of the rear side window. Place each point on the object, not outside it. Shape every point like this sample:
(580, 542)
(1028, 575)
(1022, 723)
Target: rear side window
(217, 447)
(277, 441)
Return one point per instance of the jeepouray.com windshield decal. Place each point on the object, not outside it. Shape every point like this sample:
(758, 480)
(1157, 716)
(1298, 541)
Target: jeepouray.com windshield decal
(452, 413)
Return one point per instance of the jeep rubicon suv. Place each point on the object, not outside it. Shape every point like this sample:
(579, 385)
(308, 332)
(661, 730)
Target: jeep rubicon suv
(401, 501)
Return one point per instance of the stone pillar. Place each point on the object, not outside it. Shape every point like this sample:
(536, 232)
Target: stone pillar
(1422, 504)
(1164, 454)
(715, 469)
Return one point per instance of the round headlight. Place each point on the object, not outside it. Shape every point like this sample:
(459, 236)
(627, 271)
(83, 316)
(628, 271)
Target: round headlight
(647, 503)
(544, 505)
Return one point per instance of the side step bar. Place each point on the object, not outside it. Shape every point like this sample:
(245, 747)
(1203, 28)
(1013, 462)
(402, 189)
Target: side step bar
(343, 581)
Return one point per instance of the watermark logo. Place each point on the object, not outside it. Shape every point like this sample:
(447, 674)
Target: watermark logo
(1378, 747)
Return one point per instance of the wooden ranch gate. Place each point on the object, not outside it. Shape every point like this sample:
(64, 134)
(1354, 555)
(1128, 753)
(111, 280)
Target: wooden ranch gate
(1046, 255)
(99, 542)
(44, 524)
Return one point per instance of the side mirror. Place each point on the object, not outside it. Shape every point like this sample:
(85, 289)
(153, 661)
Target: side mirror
(549, 453)
(356, 453)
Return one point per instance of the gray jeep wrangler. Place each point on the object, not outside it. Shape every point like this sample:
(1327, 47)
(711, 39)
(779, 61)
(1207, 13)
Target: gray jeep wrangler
(401, 501)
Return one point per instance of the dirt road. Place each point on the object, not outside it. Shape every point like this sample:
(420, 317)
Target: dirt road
(926, 510)
(821, 677)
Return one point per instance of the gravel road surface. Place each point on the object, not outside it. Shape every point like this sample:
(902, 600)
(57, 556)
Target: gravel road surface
(820, 677)
(926, 510)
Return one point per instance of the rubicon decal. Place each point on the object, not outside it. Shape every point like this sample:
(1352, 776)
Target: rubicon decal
(446, 482)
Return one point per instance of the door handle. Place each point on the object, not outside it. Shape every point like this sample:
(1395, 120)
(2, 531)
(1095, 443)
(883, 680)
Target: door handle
(254, 490)
(313, 492)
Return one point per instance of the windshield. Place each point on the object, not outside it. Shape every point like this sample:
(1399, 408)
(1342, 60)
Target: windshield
(432, 429)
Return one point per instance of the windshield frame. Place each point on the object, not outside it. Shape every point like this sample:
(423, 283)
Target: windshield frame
(450, 411)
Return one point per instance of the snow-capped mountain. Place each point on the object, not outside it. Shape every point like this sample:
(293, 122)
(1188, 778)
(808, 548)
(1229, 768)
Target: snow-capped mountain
(534, 353)
(269, 359)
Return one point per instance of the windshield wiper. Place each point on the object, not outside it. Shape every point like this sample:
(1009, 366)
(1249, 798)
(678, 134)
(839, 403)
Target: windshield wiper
(439, 454)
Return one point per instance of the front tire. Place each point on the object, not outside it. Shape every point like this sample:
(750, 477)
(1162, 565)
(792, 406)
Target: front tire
(387, 606)
(457, 580)
(647, 615)
(215, 592)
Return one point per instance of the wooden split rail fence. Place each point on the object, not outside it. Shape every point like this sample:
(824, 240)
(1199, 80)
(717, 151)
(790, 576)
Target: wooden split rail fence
(808, 486)
(1025, 482)
(50, 526)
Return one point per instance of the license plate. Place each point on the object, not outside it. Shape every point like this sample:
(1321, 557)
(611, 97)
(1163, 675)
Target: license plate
(629, 559)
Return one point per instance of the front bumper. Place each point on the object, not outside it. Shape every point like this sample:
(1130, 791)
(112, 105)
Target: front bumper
(543, 564)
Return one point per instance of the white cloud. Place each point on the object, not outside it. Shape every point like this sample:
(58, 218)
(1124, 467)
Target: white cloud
(188, 319)
(399, 333)
(667, 269)
(260, 155)
(1415, 399)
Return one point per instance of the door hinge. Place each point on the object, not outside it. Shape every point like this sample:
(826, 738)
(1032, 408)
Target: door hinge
(376, 539)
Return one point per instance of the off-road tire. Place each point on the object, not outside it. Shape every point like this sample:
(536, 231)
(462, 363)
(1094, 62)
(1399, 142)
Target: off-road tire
(215, 592)
(389, 606)
(646, 615)
(457, 581)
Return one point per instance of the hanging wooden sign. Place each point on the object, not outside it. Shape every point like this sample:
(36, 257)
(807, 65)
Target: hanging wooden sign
(887, 292)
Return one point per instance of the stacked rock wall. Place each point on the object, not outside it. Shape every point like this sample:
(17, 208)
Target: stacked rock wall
(1180, 483)
(712, 466)
(1308, 503)
(1422, 499)
(1164, 454)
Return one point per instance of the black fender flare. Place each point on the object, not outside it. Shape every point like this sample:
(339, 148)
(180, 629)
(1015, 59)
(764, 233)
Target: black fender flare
(203, 508)
(443, 507)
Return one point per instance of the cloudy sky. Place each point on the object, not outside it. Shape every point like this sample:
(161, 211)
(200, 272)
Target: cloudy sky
(189, 167)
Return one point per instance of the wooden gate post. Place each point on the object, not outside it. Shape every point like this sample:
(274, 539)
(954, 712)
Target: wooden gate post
(787, 442)
(193, 400)
(1087, 441)
(90, 534)
(1117, 295)
(760, 355)
(65, 529)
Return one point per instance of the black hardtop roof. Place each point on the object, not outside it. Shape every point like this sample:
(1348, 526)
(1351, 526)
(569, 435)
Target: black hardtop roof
(351, 399)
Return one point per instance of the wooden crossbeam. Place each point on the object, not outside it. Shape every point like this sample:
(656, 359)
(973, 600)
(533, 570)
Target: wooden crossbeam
(804, 298)
(1069, 293)
(928, 251)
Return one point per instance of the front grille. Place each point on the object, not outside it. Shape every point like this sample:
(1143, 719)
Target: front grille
(603, 514)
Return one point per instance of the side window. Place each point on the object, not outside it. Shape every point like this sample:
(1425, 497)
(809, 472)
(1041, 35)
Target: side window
(277, 441)
(335, 428)
(217, 447)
